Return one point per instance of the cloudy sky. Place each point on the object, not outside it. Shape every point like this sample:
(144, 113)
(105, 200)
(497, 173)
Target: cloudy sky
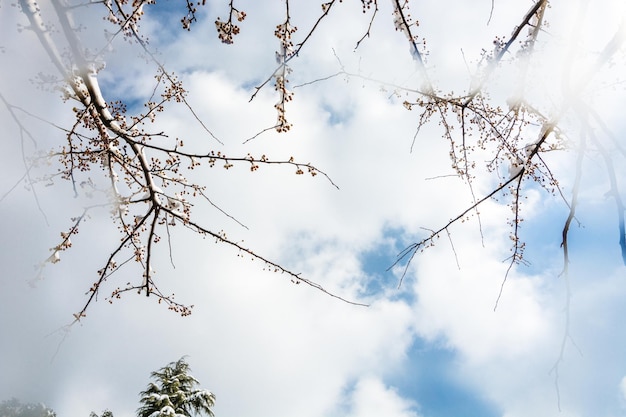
(434, 347)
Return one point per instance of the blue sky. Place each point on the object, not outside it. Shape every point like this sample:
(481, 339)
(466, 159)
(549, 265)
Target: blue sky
(430, 376)
(434, 347)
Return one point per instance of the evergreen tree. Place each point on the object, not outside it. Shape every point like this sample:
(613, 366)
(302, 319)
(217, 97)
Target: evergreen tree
(105, 413)
(174, 394)
(15, 408)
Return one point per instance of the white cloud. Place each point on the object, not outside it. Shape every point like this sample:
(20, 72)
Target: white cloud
(622, 388)
(370, 398)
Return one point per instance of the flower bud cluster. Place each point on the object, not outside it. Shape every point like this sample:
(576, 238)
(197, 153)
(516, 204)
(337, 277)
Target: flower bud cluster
(226, 30)
(283, 32)
(402, 19)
